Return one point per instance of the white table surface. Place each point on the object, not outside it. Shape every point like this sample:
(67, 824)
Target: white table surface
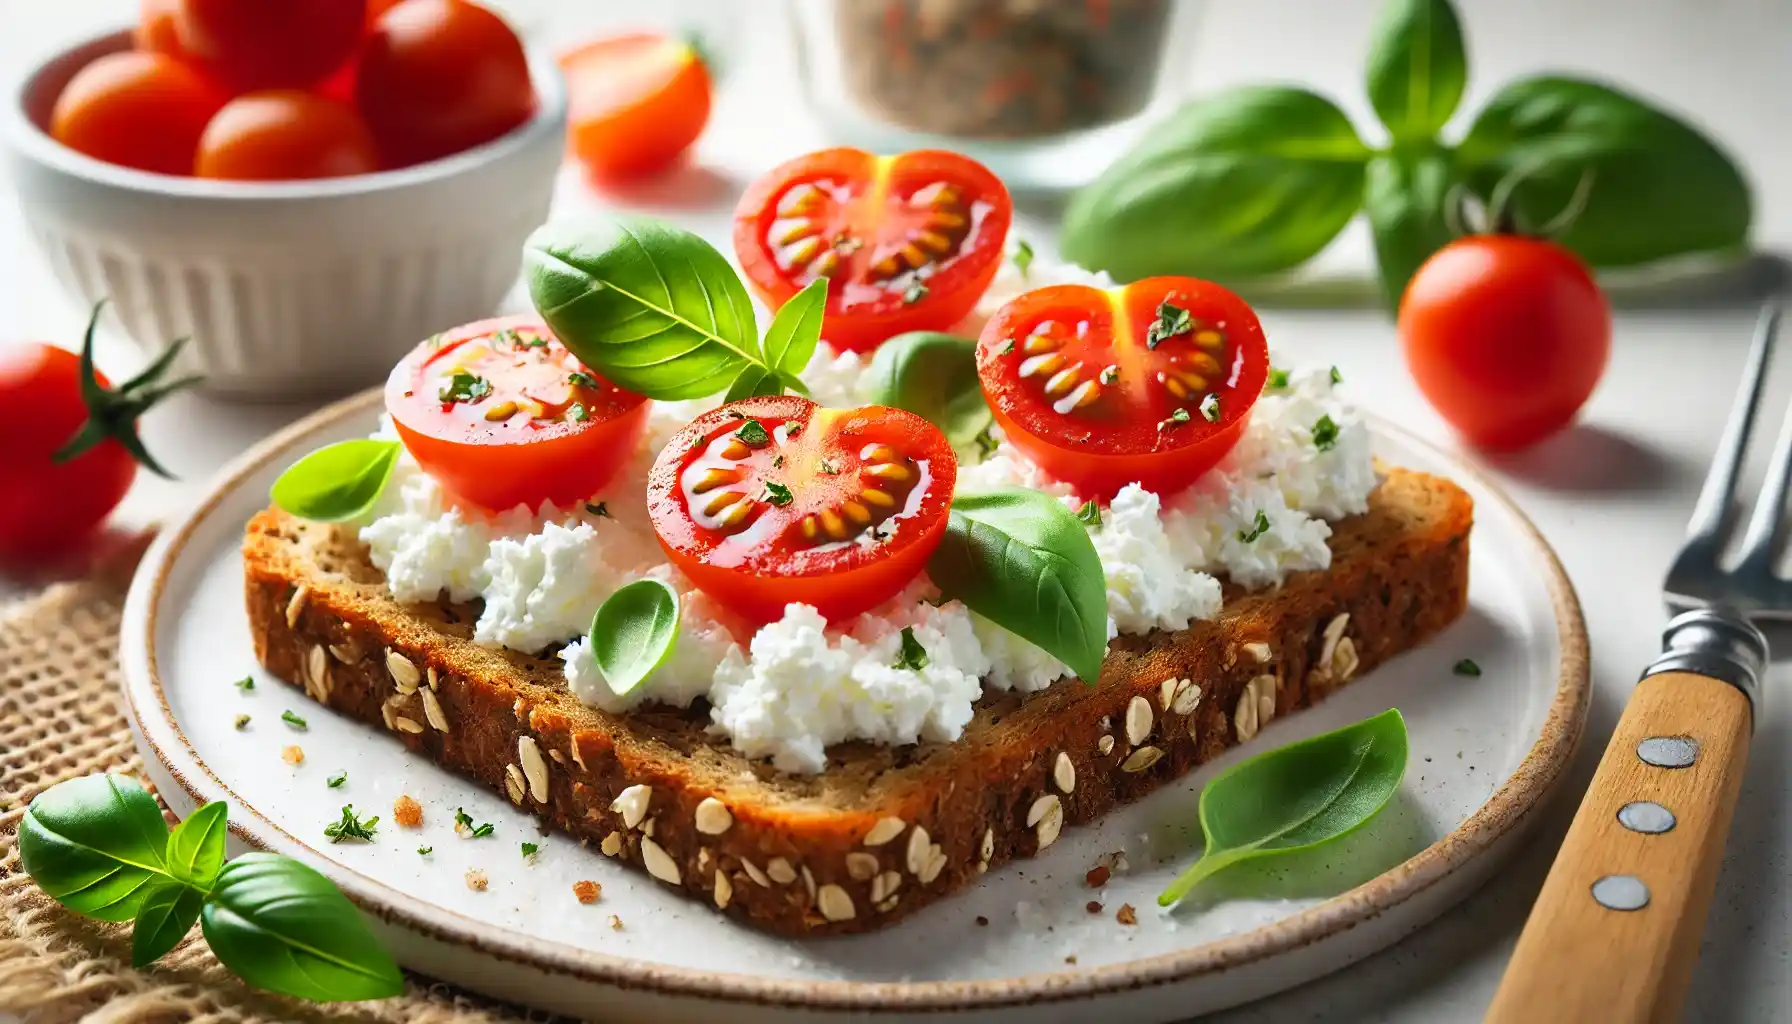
(1612, 495)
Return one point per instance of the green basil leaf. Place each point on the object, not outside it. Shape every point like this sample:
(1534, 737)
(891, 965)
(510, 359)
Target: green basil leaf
(933, 376)
(281, 926)
(95, 845)
(1298, 796)
(196, 846)
(1244, 182)
(1659, 187)
(652, 307)
(753, 380)
(790, 340)
(1417, 67)
(338, 481)
(1405, 199)
(1022, 560)
(166, 917)
(634, 633)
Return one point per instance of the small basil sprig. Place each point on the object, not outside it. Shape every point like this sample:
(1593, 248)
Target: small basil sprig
(337, 482)
(634, 633)
(1025, 562)
(98, 845)
(1298, 796)
(933, 376)
(658, 311)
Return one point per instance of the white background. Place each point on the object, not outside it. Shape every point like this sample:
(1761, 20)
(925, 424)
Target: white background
(1612, 494)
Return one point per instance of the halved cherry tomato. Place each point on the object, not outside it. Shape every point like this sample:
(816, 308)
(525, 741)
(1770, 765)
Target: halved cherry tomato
(285, 135)
(907, 243)
(502, 415)
(635, 102)
(142, 110)
(773, 501)
(254, 44)
(1149, 383)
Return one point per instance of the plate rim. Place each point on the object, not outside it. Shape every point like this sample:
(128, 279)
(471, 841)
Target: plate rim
(1521, 795)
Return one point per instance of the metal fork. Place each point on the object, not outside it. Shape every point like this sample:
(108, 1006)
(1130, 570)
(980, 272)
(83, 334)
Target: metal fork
(1615, 932)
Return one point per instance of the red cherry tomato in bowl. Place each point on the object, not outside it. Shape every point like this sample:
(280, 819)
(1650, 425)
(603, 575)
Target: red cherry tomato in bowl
(502, 415)
(142, 110)
(1150, 383)
(1506, 336)
(258, 44)
(285, 135)
(773, 501)
(907, 243)
(635, 103)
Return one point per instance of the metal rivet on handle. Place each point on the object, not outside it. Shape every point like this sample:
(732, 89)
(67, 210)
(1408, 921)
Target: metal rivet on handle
(1621, 892)
(1646, 816)
(1669, 751)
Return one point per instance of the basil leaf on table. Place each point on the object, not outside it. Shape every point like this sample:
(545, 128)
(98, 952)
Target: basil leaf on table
(1247, 181)
(934, 376)
(338, 481)
(634, 632)
(1659, 187)
(168, 913)
(1298, 796)
(652, 307)
(95, 845)
(196, 846)
(1022, 560)
(1405, 199)
(281, 926)
(1417, 67)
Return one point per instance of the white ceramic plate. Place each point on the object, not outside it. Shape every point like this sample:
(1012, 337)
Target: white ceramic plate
(1486, 752)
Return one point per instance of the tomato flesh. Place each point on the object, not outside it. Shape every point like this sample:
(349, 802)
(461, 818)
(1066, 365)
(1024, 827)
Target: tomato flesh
(907, 243)
(767, 502)
(501, 414)
(1151, 383)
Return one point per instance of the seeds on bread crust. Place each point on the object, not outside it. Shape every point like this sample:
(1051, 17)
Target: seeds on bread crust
(1256, 706)
(885, 885)
(632, 803)
(535, 767)
(432, 711)
(1064, 772)
(612, 844)
(1187, 698)
(1344, 660)
(1141, 759)
(410, 725)
(1104, 746)
(1260, 651)
(404, 674)
(659, 863)
(713, 817)
(513, 783)
(1046, 818)
(835, 903)
(296, 605)
(861, 866)
(759, 878)
(885, 830)
(916, 855)
(1138, 720)
(724, 890)
(779, 870)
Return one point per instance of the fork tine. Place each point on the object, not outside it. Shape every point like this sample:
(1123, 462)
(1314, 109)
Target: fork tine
(1719, 492)
(1765, 523)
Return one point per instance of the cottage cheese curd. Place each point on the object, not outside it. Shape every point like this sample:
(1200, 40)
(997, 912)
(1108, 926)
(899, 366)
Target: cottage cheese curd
(796, 686)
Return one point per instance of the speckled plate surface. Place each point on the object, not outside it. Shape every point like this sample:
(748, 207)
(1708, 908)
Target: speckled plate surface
(1020, 945)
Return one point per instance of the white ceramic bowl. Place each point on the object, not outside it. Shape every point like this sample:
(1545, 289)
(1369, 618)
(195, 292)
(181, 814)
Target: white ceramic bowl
(285, 288)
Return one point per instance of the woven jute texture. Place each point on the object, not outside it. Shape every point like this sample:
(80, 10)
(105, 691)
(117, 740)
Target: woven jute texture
(60, 719)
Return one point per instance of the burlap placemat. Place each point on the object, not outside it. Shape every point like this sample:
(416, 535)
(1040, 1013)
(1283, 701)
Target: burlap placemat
(59, 719)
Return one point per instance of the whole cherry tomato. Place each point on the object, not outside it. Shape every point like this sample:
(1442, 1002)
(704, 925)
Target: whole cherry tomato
(440, 76)
(258, 44)
(285, 135)
(635, 102)
(503, 415)
(1507, 336)
(1151, 383)
(907, 243)
(142, 110)
(71, 447)
(772, 501)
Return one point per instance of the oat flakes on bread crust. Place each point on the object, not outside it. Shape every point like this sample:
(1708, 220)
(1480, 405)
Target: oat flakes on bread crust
(883, 830)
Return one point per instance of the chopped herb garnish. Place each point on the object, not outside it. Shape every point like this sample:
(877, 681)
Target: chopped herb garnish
(1177, 419)
(506, 337)
(1210, 408)
(1337, 378)
(777, 460)
(242, 722)
(1259, 527)
(465, 387)
(601, 508)
(531, 849)
(335, 781)
(1467, 667)
(734, 414)
(777, 494)
(463, 819)
(1278, 380)
(986, 443)
(793, 429)
(915, 292)
(293, 720)
(829, 468)
(536, 341)
(350, 828)
(246, 683)
(1171, 321)
(913, 656)
(753, 434)
(424, 851)
(576, 412)
(1023, 256)
(581, 379)
(1090, 513)
(1325, 433)
(1006, 348)
(1110, 374)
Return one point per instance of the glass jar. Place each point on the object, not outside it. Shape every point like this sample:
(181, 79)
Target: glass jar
(1045, 92)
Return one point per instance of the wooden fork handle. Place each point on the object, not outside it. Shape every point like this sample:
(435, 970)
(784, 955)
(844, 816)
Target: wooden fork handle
(1615, 932)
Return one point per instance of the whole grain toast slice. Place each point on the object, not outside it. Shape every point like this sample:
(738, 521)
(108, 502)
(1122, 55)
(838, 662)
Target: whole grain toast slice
(883, 830)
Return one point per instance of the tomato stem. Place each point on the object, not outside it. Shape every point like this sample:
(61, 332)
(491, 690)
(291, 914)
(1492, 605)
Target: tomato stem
(112, 413)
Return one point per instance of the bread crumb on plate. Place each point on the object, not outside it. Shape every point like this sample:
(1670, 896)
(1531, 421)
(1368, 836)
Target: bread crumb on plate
(407, 812)
(293, 755)
(476, 880)
(587, 891)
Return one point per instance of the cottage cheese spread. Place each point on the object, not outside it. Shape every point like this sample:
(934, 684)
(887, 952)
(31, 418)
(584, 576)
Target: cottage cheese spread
(798, 685)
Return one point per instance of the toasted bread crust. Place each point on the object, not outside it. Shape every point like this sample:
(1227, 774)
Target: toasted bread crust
(789, 855)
